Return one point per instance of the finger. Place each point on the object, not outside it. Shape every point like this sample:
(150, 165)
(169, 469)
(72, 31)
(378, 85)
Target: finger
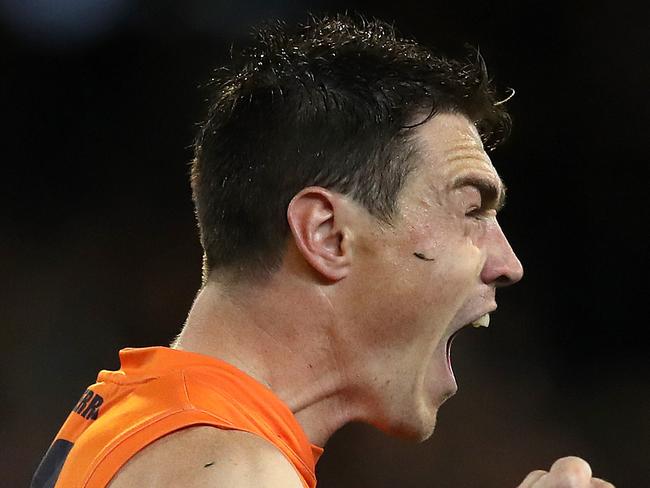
(600, 483)
(532, 478)
(572, 470)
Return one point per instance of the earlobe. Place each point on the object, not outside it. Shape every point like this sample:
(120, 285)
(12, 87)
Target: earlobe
(314, 216)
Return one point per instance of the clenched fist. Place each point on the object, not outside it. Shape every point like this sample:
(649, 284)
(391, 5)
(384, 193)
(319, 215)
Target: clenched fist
(567, 472)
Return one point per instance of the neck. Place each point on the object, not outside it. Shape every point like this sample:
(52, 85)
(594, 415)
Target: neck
(282, 334)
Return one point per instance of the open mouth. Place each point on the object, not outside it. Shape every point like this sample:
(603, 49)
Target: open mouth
(483, 321)
(449, 341)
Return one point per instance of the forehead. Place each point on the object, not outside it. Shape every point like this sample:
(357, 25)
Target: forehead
(451, 151)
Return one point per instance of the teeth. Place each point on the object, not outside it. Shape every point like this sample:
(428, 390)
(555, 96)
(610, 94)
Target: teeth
(483, 321)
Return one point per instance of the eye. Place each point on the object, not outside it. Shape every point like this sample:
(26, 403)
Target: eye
(481, 214)
(476, 213)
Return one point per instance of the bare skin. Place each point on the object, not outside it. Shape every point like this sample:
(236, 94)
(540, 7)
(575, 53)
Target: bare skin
(567, 472)
(354, 325)
(205, 456)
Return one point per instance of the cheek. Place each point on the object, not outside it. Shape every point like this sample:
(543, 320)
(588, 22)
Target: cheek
(396, 302)
(440, 235)
(454, 271)
(404, 295)
(428, 294)
(454, 278)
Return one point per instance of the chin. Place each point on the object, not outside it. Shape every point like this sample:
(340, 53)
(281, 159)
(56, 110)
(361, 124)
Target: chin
(416, 427)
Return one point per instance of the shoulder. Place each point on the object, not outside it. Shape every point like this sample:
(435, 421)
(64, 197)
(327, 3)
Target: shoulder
(208, 456)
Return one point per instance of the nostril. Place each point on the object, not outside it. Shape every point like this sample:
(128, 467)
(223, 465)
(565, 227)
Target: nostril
(504, 280)
(511, 276)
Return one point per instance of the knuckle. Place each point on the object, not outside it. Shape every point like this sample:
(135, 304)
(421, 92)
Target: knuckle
(572, 468)
(571, 460)
(532, 478)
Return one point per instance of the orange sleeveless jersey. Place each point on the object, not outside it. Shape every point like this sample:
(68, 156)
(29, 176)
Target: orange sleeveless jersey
(157, 391)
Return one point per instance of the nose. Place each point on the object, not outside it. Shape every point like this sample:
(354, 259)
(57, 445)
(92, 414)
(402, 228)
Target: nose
(502, 267)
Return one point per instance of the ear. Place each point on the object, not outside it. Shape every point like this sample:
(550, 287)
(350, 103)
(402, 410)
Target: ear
(314, 216)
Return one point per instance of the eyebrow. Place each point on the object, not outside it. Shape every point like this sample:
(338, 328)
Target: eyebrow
(490, 192)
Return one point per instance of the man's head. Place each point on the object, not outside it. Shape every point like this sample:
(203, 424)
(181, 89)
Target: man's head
(355, 160)
(332, 104)
(404, 289)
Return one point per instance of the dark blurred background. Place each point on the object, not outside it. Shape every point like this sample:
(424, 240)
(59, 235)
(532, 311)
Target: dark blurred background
(98, 248)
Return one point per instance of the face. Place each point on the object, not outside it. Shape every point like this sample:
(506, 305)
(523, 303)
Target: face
(431, 273)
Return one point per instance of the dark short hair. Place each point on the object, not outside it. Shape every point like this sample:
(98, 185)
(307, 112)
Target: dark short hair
(331, 103)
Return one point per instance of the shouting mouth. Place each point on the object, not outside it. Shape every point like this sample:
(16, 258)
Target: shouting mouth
(482, 321)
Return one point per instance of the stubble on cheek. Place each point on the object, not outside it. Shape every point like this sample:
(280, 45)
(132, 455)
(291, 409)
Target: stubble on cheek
(450, 277)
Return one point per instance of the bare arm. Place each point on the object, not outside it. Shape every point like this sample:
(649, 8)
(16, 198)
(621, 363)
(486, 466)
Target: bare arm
(207, 456)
